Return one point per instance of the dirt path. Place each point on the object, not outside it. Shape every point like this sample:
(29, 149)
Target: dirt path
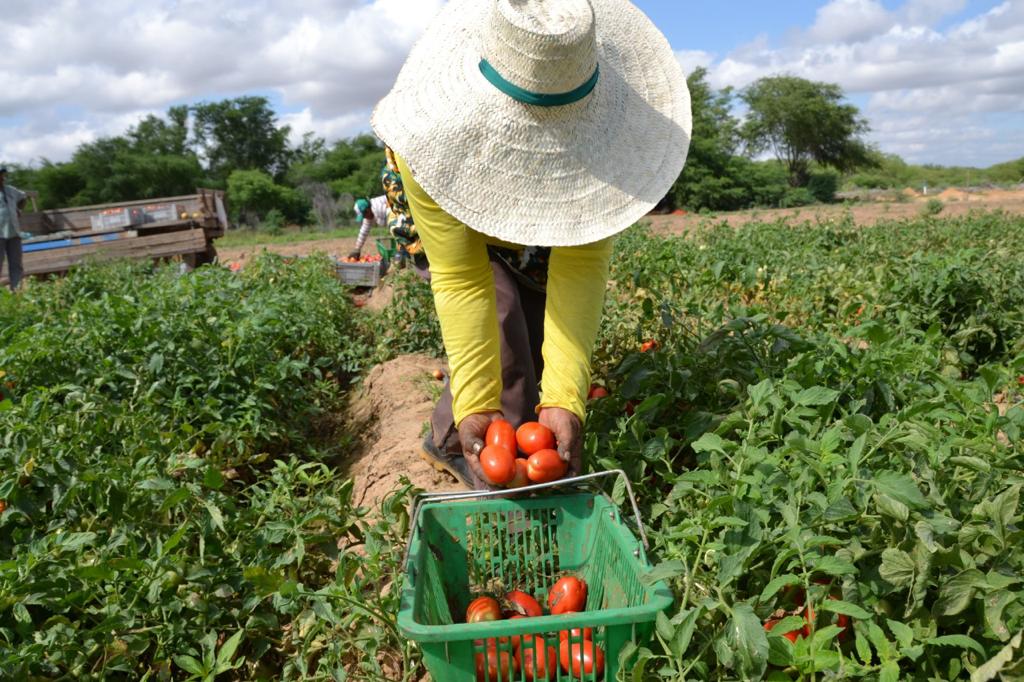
(332, 247)
(391, 411)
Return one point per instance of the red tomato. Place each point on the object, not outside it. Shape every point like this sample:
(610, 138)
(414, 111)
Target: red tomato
(648, 346)
(520, 603)
(597, 392)
(501, 434)
(569, 595)
(438, 374)
(588, 634)
(581, 658)
(630, 407)
(499, 465)
(545, 466)
(495, 666)
(792, 636)
(538, 661)
(533, 437)
(483, 609)
(522, 477)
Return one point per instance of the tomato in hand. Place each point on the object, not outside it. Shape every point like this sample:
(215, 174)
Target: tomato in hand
(499, 465)
(520, 603)
(588, 634)
(496, 666)
(483, 609)
(533, 437)
(581, 658)
(569, 595)
(522, 477)
(537, 660)
(546, 466)
(501, 434)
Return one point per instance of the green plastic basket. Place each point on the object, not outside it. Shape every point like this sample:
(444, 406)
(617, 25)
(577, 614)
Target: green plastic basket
(469, 544)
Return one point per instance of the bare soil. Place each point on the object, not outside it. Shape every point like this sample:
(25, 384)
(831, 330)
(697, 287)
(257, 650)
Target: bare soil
(391, 411)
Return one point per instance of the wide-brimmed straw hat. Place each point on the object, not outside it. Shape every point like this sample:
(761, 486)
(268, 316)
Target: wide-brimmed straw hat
(541, 122)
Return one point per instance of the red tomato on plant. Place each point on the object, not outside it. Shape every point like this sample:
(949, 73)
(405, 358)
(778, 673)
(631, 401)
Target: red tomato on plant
(588, 634)
(533, 437)
(648, 346)
(581, 658)
(495, 666)
(522, 477)
(501, 434)
(597, 392)
(546, 466)
(537, 660)
(483, 609)
(499, 465)
(568, 595)
(520, 603)
(792, 635)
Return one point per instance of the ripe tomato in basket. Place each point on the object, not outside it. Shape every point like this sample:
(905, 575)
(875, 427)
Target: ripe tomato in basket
(581, 659)
(546, 466)
(537, 660)
(533, 437)
(501, 434)
(588, 634)
(520, 603)
(493, 665)
(568, 595)
(483, 609)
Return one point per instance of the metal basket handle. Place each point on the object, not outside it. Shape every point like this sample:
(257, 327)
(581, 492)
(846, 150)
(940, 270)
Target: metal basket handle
(424, 498)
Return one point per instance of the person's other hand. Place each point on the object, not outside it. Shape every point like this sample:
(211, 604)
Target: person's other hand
(472, 434)
(355, 254)
(568, 434)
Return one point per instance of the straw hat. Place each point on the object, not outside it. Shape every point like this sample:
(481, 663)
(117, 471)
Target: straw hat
(541, 122)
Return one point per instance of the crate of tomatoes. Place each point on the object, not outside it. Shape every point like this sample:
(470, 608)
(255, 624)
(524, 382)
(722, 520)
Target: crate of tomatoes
(542, 582)
(365, 271)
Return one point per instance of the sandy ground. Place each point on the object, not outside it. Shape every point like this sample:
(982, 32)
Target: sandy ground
(391, 411)
(956, 202)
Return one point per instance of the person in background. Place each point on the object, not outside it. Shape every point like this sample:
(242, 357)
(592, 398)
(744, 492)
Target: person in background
(527, 134)
(391, 210)
(369, 213)
(12, 200)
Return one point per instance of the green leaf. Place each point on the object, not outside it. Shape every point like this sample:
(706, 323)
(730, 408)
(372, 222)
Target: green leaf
(760, 392)
(890, 507)
(959, 641)
(747, 637)
(741, 543)
(213, 479)
(975, 463)
(772, 588)
(73, 541)
(709, 442)
(189, 664)
(832, 565)
(890, 672)
(816, 396)
(96, 573)
(6, 405)
(901, 488)
(665, 628)
(995, 665)
(845, 608)
(684, 633)
(956, 594)
(215, 515)
(995, 604)
(227, 652)
(666, 570)
(897, 568)
(860, 643)
(904, 633)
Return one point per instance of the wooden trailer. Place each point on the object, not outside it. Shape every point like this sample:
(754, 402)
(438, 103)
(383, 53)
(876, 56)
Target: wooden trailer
(182, 228)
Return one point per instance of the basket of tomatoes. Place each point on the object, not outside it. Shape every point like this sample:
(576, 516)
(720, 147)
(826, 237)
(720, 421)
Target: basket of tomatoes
(365, 271)
(531, 587)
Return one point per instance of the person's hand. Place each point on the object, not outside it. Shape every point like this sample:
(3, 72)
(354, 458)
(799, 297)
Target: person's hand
(355, 254)
(472, 433)
(568, 434)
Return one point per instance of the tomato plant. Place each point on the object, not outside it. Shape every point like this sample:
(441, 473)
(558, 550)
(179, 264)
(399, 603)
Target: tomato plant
(533, 437)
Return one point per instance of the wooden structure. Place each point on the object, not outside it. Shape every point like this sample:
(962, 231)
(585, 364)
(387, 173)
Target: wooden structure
(182, 227)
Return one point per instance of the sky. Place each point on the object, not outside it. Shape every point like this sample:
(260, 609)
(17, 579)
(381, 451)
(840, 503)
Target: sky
(939, 81)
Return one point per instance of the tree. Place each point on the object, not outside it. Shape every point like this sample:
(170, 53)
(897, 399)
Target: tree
(241, 134)
(252, 194)
(804, 122)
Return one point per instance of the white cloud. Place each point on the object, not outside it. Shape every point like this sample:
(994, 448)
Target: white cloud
(691, 60)
(910, 69)
(118, 60)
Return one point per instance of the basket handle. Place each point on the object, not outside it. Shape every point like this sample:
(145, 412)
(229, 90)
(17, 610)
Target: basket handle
(424, 498)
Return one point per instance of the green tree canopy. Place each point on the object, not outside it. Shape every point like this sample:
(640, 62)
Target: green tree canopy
(241, 134)
(803, 122)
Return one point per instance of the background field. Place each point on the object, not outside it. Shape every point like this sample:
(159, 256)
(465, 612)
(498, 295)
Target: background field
(833, 408)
